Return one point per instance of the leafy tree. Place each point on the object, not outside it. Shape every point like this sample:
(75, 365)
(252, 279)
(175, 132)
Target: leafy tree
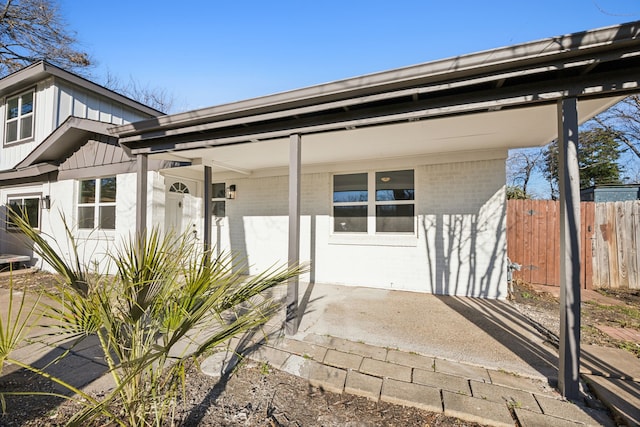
(515, 192)
(598, 157)
(598, 154)
(33, 30)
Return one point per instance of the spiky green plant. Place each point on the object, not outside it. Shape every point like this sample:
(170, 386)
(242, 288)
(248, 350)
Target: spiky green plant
(168, 303)
(20, 316)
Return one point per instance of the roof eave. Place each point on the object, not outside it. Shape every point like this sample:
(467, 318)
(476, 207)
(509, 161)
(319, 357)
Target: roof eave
(69, 135)
(457, 67)
(41, 70)
(28, 172)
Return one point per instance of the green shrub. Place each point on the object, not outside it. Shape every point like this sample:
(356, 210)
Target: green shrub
(168, 303)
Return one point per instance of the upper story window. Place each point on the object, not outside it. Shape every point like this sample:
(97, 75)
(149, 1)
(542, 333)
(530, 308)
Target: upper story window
(19, 119)
(26, 207)
(374, 202)
(97, 204)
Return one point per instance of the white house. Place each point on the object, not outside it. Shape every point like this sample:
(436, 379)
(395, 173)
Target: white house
(57, 158)
(393, 180)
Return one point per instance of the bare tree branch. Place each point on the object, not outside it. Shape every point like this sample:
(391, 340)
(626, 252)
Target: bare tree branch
(154, 97)
(623, 120)
(33, 30)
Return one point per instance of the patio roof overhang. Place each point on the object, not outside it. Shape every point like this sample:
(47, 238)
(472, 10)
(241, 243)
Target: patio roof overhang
(501, 98)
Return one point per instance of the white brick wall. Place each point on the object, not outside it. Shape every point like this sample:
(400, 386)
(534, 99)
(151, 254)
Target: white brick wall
(459, 248)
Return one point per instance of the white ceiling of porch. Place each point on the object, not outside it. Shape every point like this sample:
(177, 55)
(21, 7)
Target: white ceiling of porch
(513, 128)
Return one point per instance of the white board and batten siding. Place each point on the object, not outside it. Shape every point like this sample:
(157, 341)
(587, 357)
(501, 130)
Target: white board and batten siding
(78, 102)
(55, 101)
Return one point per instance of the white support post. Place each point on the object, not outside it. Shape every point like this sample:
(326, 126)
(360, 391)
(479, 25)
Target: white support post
(569, 186)
(292, 315)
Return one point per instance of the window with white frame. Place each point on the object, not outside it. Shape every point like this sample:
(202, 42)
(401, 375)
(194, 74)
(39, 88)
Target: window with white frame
(19, 117)
(218, 201)
(374, 202)
(97, 204)
(27, 207)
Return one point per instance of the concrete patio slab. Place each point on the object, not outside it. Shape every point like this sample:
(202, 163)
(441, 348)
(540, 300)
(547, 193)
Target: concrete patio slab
(442, 381)
(598, 360)
(388, 344)
(512, 380)
(327, 377)
(462, 370)
(622, 396)
(476, 410)
(382, 369)
(341, 359)
(302, 348)
(347, 346)
(363, 385)
(487, 333)
(409, 394)
(411, 359)
(571, 411)
(536, 419)
(497, 393)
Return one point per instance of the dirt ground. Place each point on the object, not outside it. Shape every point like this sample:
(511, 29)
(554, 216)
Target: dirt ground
(252, 396)
(543, 308)
(261, 396)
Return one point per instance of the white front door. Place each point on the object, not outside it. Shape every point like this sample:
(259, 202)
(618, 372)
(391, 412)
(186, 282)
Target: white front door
(181, 209)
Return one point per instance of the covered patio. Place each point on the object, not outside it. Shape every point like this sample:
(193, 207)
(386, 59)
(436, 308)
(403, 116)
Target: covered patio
(470, 108)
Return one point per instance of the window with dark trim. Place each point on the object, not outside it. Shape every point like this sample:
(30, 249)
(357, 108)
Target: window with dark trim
(374, 202)
(97, 204)
(218, 201)
(19, 117)
(26, 207)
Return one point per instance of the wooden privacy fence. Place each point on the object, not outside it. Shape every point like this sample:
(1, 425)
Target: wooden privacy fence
(609, 234)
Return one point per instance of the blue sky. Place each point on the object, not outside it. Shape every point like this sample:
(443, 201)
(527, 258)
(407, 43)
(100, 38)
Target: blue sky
(208, 52)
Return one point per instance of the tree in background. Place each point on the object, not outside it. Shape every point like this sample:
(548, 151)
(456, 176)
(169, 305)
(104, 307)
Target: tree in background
(598, 155)
(154, 97)
(33, 30)
(515, 192)
(521, 166)
(623, 121)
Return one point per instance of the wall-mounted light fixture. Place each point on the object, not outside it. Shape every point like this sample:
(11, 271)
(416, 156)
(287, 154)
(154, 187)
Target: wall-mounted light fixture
(46, 202)
(231, 192)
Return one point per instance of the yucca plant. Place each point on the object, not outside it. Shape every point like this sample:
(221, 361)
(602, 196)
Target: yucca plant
(168, 303)
(19, 317)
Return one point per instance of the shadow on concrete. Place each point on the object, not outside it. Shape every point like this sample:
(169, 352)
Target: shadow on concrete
(77, 366)
(504, 324)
